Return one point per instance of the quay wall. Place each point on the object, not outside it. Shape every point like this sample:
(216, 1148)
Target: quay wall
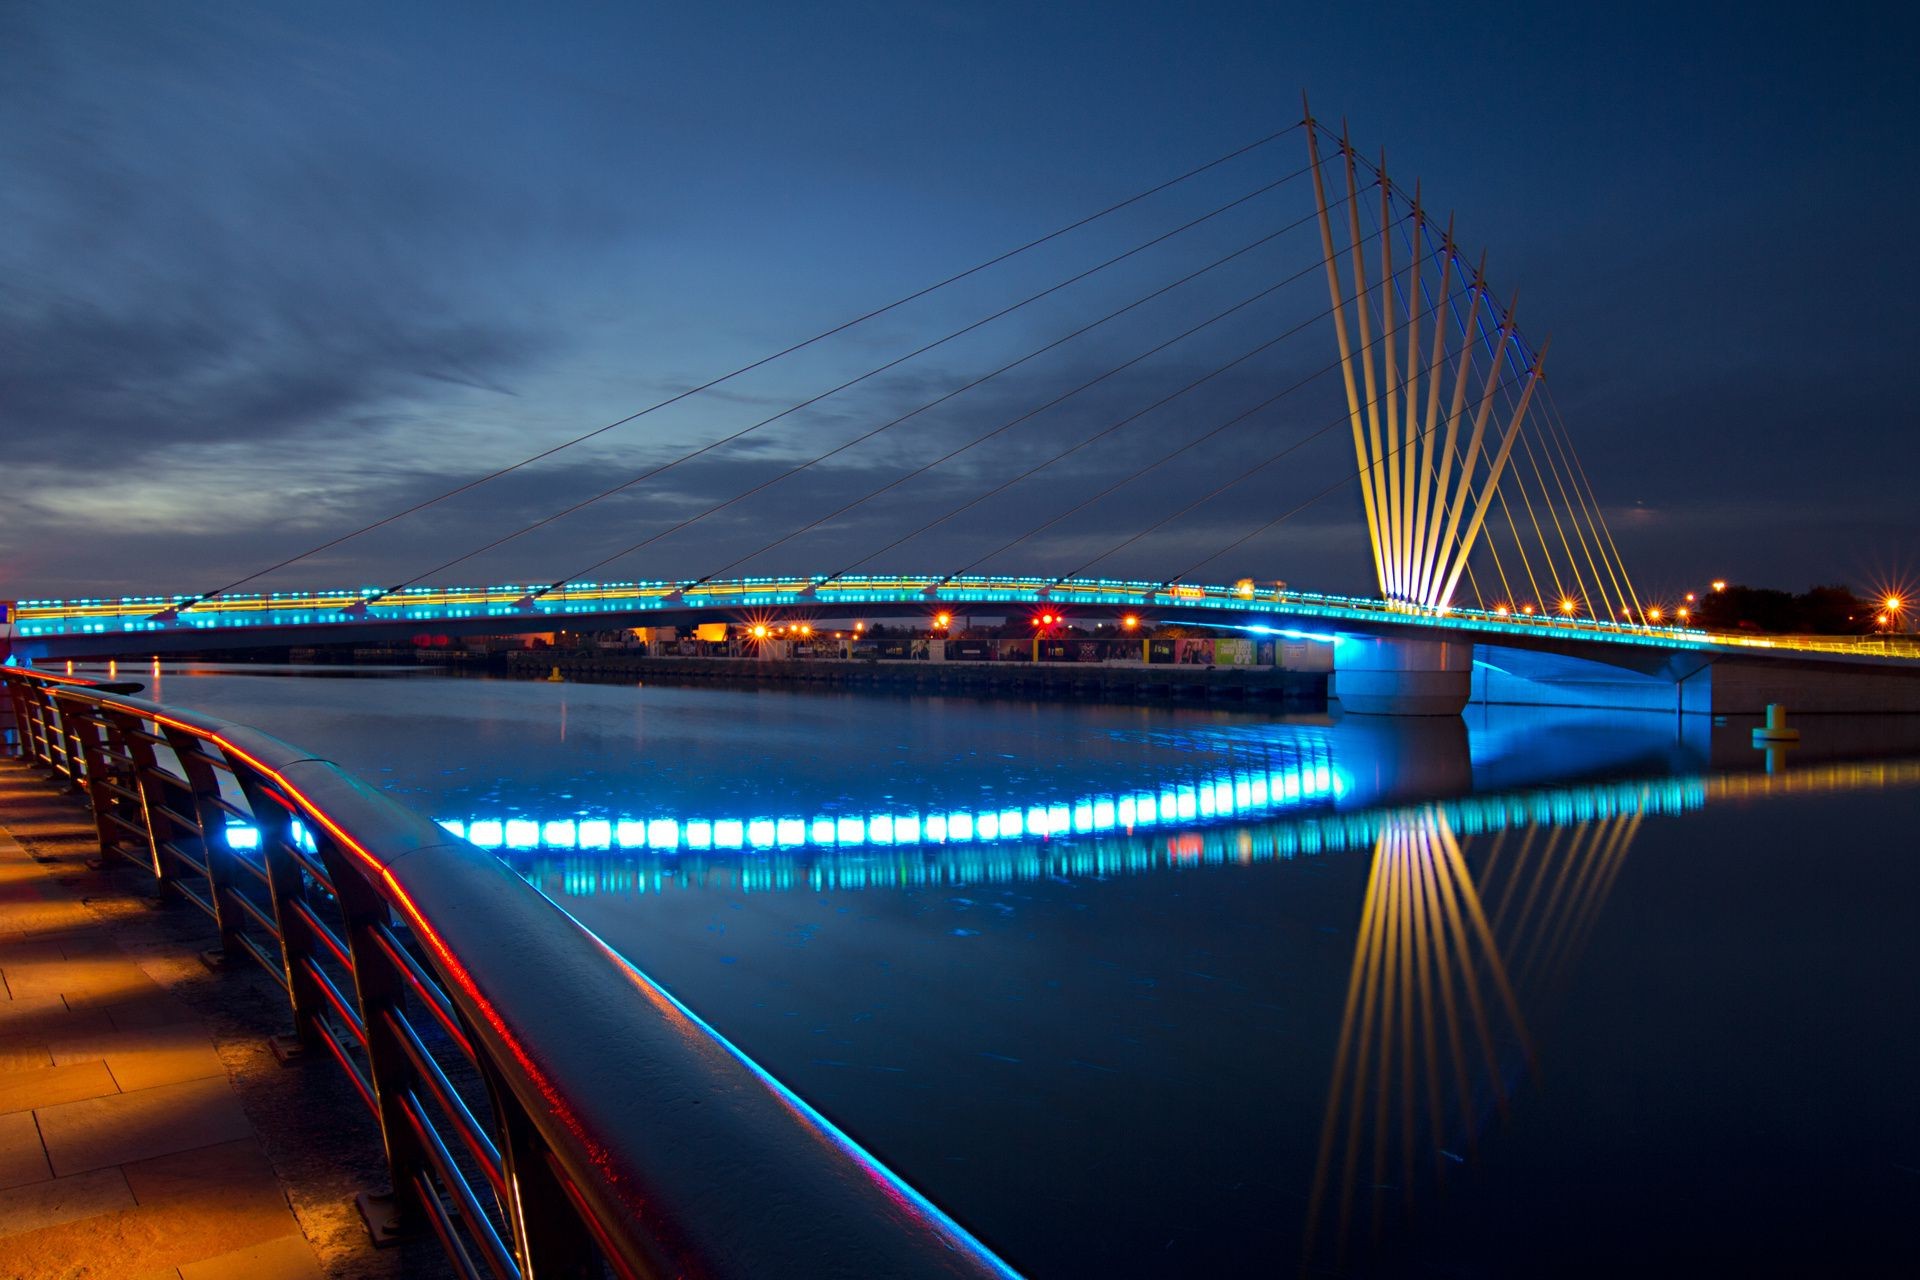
(1106, 681)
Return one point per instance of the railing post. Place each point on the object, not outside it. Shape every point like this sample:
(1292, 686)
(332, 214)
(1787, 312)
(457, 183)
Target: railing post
(33, 733)
(550, 1241)
(286, 883)
(85, 728)
(379, 985)
(164, 830)
(13, 735)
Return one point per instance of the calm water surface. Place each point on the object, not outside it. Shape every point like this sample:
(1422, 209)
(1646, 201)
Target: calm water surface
(1524, 995)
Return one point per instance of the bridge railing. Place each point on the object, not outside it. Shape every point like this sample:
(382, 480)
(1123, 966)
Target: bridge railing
(546, 1109)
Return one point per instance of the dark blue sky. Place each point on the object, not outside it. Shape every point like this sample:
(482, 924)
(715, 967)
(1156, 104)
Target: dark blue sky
(274, 270)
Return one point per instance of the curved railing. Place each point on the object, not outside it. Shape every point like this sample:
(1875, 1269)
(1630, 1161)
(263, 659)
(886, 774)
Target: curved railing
(544, 1104)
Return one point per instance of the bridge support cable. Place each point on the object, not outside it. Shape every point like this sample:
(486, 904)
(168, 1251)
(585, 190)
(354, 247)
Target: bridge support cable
(1205, 498)
(1585, 540)
(1422, 518)
(1134, 476)
(1063, 454)
(1504, 482)
(1244, 538)
(1415, 508)
(760, 362)
(1004, 427)
(654, 472)
(1585, 593)
(1556, 429)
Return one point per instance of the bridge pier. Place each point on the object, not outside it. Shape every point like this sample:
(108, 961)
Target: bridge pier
(1373, 676)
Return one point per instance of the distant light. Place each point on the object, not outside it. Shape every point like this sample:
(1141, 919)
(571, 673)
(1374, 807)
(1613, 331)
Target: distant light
(1501, 611)
(759, 631)
(806, 628)
(1689, 597)
(1684, 613)
(1527, 609)
(942, 620)
(1894, 603)
(1653, 614)
(1719, 584)
(859, 626)
(1567, 606)
(1130, 622)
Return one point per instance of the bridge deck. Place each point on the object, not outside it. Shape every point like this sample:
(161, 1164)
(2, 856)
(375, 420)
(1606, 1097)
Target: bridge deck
(54, 629)
(135, 1131)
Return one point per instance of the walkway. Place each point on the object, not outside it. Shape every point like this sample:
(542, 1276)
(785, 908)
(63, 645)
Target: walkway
(145, 1128)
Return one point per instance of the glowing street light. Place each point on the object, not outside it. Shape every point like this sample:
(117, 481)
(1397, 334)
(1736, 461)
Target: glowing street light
(1568, 605)
(1130, 622)
(941, 621)
(1719, 584)
(1653, 614)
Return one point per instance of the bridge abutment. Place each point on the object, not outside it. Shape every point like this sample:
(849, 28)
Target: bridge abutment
(1373, 676)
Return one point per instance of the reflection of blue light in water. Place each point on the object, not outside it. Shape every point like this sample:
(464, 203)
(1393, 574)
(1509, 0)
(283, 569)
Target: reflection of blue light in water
(1305, 834)
(1303, 776)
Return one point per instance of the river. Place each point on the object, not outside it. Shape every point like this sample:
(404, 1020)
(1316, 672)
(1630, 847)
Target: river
(1159, 991)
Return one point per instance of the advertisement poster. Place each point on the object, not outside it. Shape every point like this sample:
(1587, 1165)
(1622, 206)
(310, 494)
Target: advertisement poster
(1196, 653)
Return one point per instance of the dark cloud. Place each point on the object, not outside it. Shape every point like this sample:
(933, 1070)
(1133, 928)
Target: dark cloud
(273, 272)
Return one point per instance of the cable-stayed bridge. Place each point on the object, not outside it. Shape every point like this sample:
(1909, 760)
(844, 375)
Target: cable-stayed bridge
(1148, 407)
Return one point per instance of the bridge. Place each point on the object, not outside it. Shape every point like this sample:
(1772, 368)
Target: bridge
(1498, 578)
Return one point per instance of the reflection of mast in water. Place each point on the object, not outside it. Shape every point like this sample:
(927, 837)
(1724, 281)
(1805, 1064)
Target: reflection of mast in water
(1432, 1033)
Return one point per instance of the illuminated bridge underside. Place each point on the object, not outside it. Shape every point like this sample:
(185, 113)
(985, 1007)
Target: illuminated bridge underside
(1509, 649)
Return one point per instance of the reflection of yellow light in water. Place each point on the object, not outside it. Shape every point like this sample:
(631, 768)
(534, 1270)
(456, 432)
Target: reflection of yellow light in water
(1432, 1031)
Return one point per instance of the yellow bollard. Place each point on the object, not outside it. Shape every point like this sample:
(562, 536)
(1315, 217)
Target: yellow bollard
(555, 677)
(1775, 730)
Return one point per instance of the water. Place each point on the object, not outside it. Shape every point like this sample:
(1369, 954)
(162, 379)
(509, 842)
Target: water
(1525, 994)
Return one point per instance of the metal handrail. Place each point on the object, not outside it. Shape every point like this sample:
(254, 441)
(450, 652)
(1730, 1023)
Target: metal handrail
(592, 1115)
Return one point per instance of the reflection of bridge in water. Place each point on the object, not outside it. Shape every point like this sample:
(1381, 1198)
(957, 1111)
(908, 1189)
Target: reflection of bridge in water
(1458, 939)
(1475, 912)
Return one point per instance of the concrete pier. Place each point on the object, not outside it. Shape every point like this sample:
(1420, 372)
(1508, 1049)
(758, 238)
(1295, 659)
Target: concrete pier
(1401, 677)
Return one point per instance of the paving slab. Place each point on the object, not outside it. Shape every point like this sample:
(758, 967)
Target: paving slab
(143, 1057)
(31, 1088)
(58, 1200)
(287, 1258)
(134, 1126)
(22, 1158)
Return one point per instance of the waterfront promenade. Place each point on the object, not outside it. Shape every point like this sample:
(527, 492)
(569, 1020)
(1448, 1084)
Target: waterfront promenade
(146, 1130)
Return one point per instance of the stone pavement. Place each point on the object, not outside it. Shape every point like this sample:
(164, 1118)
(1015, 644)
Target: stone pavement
(145, 1128)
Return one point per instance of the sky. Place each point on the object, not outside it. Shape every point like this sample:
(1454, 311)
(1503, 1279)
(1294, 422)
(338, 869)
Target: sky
(274, 272)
